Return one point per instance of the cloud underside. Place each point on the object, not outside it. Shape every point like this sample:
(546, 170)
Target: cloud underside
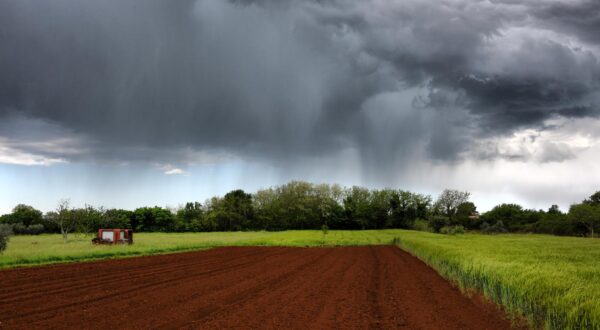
(189, 82)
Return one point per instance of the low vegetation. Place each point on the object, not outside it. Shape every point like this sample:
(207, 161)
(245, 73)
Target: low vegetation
(554, 281)
(49, 248)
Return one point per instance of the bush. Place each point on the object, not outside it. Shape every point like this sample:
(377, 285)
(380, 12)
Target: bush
(438, 221)
(21, 229)
(452, 230)
(497, 228)
(422, 225)
(35, 229)
(5, 232)
(203, 224)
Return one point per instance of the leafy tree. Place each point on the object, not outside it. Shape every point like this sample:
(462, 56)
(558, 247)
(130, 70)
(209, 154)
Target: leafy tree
(89, 219)
(24, 214)
(554, 222)
(298, 207)
(153, 219)
(587, 214)
(406, 207)
(554, 209)
(233, 212)
(264, 203)
(116, 218)
(5, 232)
(464, 216)
(449, 201)
(513, 216)
(327, 199)
(190, 216)
(594, 199)
(238, 205)
(380, 208)
(358, 207)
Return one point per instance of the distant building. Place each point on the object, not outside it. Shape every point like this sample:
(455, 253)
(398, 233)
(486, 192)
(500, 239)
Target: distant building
(474, 215)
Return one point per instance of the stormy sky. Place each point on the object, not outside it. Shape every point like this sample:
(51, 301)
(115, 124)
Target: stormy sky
(142, 102)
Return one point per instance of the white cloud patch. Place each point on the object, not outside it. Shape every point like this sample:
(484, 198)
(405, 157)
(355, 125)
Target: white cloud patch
(559, 139)
(30, 141)
(169, 169)
(175, 171)
(11, 155)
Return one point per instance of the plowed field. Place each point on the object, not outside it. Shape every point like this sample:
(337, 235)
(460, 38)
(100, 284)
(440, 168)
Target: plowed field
(378, 287)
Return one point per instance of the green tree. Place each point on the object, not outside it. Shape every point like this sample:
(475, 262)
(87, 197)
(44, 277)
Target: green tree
(237, 204)
(594, 199)
(233, 212)
(449, 201)
(554, 222)
(463, 215)
(89, 219)
(5, 233)
(116, 218)
(24, 214)
(406, 207)
(189, 217)
(358, 207)
(513, 216)
(587, 214)
(554, 209)
(380, 208)
(152, 219)
(265, 207)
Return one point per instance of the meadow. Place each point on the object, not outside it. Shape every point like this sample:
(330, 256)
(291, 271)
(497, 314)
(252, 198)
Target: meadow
(49, 248)
(553, 281)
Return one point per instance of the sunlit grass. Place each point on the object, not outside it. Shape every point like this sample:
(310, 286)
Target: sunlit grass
(554, 281)
(34, 250)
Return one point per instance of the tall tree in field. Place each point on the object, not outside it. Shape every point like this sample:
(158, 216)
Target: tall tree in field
(64, 218)
(587, 214)
(449, 201)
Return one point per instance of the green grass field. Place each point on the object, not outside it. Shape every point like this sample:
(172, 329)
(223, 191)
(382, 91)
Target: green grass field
(43, 249)
(554, 281)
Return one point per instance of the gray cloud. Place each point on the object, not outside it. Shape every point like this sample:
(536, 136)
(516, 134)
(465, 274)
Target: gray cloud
(158, 81)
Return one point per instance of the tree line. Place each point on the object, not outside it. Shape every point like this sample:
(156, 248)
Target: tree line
(303, 205)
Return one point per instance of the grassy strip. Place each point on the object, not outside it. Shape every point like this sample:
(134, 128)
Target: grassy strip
(48, 249)
(553, 281)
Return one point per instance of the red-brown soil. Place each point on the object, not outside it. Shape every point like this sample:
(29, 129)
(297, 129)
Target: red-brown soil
(244, 287)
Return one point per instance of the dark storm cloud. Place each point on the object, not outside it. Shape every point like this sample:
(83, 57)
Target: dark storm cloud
(143, 80)
(506, 103)
(581, 18)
